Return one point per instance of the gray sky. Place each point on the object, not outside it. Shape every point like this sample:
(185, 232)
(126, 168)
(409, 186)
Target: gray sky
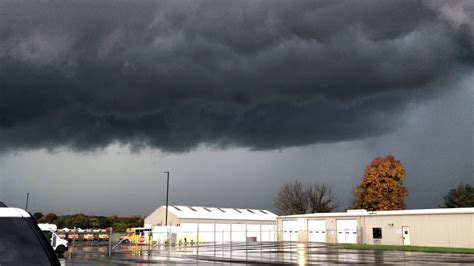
(98, 98)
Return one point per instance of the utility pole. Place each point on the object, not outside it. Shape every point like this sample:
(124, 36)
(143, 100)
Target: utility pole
(27, 197)
(167, 191)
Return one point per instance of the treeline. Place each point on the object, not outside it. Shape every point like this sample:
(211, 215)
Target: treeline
(120, 224)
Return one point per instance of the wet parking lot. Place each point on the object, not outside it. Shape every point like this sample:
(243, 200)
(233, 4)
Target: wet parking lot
(254, 253)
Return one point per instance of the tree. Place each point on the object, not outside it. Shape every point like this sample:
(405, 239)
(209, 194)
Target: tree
(462, 196)
(381, 187)
(104, 222)
(320, 198)
(80, 220)
(37, 215)
(293, 198)
(120, 227)
(94, 222)
(49, 218)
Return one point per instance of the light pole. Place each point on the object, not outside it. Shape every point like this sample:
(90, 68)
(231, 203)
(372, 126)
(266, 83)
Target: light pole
(27, 197)
(167, 190)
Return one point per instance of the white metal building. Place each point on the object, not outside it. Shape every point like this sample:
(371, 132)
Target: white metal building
(425, 227)
(209, 224)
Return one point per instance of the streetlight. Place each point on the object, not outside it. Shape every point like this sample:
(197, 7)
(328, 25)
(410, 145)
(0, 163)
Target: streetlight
(27, 197)
(167, 190)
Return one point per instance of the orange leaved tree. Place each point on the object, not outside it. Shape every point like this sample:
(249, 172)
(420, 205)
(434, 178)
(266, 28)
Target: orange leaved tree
(382, 186)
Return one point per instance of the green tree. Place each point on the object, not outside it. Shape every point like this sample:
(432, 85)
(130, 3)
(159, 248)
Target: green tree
(462, 196)
(104, 222)
(381, 187)
(94, 222)
(80, 220)
(49, 218)
(38, 216)
(120, 227)
(61, 221)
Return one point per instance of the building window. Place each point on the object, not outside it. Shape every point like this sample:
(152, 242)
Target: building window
(377, 233)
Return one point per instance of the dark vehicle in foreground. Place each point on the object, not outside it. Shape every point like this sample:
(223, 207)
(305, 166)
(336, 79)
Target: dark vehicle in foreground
(21, 240)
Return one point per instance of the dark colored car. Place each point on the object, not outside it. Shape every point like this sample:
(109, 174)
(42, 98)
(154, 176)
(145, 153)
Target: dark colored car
(21, 240)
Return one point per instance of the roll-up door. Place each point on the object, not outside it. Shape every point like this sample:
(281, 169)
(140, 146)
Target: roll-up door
(316, 230)
(290, 230)
(346, 231)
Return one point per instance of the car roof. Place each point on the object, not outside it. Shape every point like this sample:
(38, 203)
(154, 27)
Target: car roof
(12, 212)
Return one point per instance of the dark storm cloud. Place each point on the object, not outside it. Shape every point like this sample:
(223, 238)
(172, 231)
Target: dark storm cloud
(260, 74)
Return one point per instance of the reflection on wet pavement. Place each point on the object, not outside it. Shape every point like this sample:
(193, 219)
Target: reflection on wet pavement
(251, 253)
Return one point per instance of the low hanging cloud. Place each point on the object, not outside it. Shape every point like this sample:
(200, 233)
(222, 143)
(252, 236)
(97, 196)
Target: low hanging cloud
(261, 74)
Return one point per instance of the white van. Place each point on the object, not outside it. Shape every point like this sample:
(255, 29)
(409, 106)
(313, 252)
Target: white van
(59, 245)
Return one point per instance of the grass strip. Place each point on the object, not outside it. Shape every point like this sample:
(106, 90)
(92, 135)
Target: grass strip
(407, 248)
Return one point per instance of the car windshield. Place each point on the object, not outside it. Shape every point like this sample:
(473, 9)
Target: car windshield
(19, 244)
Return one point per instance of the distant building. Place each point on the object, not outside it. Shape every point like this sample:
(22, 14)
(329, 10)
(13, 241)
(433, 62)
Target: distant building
(210, 224)
(426, 227)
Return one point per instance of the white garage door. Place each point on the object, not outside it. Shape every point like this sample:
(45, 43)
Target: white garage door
(346, 231)
(317, 230)
(188, 232)
(222, 233)
(206, 232)
(268, 232)
(253, 232)
(238, 232)
(290, 230)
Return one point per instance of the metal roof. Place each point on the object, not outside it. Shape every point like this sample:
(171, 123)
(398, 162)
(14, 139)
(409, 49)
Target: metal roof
(361, 212)
(213, 213)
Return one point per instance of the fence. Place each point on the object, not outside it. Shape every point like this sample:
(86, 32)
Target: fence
(162, 239)
(167, 240)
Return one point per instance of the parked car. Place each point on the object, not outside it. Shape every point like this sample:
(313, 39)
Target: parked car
(21, 240)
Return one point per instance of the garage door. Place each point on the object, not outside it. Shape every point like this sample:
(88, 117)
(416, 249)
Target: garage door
(253, 232)
(187, 232)
(238, 233)
(206, 232)
(222, 233)
(346, 231)
(290, 230)
(268, 232)
(316, 230)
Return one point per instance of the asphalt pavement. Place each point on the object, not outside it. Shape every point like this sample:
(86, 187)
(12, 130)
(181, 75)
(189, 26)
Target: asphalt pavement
(256, 253)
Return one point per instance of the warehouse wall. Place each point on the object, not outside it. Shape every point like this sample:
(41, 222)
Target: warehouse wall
(158, 217)
(229, 230)
(437, 230)
(331, 228)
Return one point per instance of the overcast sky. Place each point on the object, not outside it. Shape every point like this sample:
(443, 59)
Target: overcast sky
(98, 98)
